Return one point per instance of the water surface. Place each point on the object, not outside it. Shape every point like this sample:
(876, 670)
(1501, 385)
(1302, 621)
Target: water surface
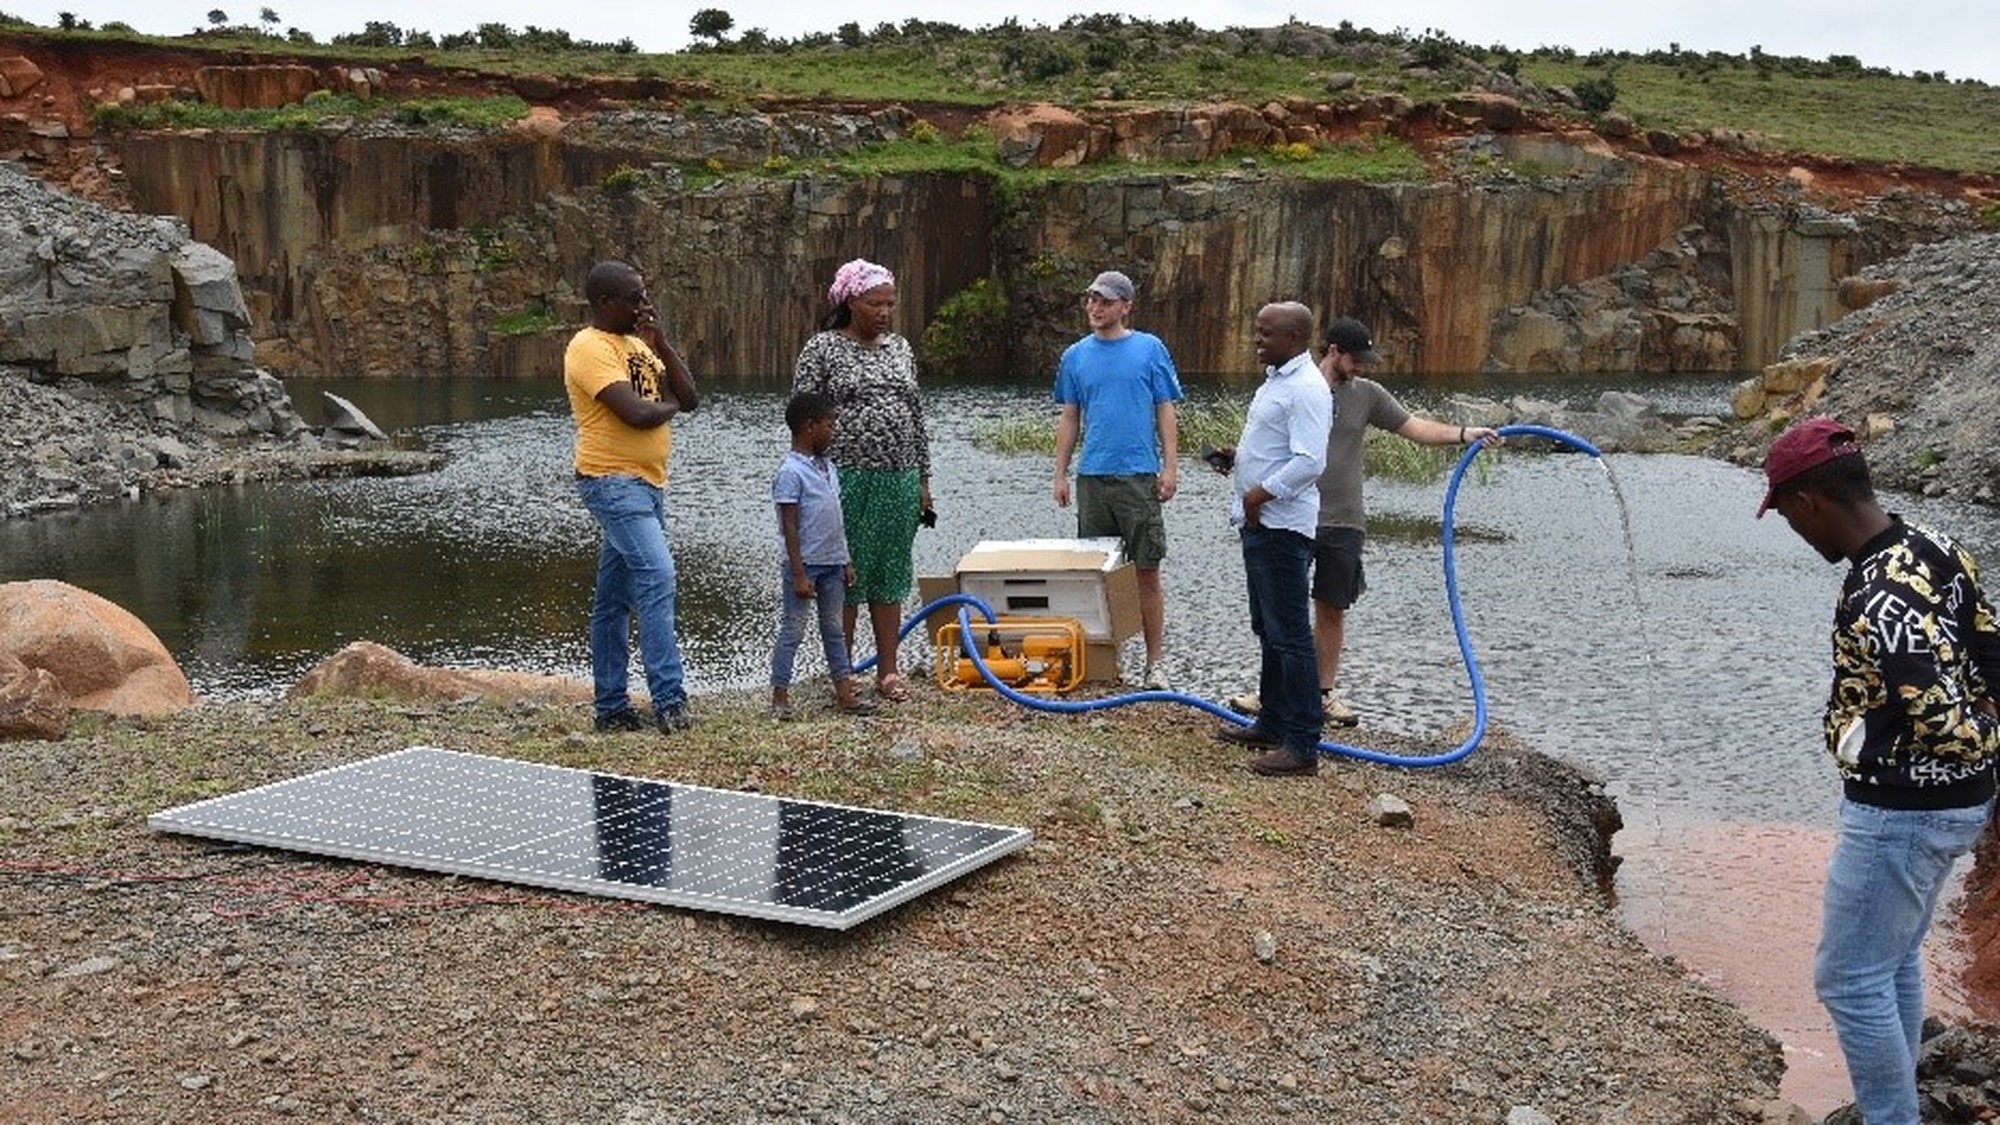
(1697, 700)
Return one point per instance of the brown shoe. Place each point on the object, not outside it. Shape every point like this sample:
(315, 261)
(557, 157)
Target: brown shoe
(1245, 736)
(1282, 763)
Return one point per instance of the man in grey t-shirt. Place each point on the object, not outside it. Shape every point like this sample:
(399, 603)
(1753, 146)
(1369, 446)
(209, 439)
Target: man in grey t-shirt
(1343, 520)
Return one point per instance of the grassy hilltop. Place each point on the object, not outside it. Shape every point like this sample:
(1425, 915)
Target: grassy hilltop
(1837, 106)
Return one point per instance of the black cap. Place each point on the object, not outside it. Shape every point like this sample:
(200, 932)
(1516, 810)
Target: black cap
(1350, 336)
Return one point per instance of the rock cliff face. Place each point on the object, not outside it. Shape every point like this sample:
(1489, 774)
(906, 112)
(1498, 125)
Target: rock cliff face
(389, 255)
(1427, 266)
(372, 248)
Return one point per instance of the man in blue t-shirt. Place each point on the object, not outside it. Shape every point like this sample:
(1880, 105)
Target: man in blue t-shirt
(1117, 388)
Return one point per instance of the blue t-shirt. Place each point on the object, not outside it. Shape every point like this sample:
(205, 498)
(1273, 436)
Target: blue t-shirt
(1116, 385)
(813, 485)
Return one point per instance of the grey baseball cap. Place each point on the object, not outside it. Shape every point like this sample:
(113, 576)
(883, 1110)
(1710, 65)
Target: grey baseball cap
(1112, 285)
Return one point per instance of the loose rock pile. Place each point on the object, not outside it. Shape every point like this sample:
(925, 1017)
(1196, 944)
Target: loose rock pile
(1923, 359)
(123, 352)
(1613, 421)
(1958, 1078)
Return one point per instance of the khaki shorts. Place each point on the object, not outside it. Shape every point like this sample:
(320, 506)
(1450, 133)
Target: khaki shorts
(1128, 507)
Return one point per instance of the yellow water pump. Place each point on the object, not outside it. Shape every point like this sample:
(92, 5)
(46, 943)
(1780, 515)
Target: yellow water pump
(1038, 655)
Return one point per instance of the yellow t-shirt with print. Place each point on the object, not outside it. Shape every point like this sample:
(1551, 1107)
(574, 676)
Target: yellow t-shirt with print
(605, 445)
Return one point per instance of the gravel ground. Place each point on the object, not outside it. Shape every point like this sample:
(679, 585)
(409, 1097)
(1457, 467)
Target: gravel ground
(1183, 941)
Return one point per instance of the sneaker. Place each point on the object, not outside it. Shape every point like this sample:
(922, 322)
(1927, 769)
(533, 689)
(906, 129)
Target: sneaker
(1337, 713)
(1245, 704)
(1156, 679)
(673, 720)
(625, 720)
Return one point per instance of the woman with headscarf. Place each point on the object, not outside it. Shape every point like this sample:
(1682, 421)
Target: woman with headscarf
(880, 445)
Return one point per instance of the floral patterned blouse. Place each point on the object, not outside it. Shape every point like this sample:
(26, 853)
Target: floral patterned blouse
(875, 389)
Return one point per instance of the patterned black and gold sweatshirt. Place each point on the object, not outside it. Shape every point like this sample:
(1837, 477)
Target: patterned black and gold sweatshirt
(1915, 645)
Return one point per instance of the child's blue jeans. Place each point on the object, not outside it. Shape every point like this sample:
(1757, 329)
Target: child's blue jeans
(829, 594)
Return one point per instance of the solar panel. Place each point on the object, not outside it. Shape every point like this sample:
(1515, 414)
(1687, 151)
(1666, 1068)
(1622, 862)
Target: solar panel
(603, 834)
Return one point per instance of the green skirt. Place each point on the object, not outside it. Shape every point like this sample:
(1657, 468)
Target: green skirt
(879, 509)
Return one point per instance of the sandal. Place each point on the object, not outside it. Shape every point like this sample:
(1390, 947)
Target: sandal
(892, 688)
(858, 707)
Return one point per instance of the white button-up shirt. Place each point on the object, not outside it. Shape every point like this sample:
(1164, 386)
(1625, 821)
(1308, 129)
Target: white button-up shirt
(1283, 446)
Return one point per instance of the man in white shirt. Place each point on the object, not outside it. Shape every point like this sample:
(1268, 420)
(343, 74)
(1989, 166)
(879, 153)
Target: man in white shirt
(1275, 510)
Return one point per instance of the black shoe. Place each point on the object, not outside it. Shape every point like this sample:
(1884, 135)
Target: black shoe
(625, 720)
(1284, 763)
(1245, 736)
(673, 720)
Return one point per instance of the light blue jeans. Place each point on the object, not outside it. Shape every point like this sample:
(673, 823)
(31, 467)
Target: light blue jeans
(1882, 884)
(829, 593)
(635, 576)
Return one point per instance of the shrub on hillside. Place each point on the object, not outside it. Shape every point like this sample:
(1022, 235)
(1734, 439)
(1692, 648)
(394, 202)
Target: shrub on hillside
(1596, 94)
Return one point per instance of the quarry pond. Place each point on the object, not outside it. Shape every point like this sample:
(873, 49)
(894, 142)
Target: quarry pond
(1688, 672)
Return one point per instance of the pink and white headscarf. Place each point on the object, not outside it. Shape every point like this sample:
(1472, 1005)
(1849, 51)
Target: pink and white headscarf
(855, 278)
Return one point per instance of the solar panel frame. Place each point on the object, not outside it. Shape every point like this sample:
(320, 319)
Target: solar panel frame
(818, 863)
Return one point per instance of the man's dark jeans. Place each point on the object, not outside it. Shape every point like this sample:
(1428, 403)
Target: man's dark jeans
(1277, 565)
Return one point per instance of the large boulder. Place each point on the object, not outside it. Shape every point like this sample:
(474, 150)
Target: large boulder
(32, 703)
(18, 75)
(261, 86)
(368, 670)
(1042, 135)
(1497, 112)
(102, 656)
(346, 420)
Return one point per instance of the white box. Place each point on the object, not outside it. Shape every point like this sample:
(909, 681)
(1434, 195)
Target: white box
(1087, 579)
(1045, 594)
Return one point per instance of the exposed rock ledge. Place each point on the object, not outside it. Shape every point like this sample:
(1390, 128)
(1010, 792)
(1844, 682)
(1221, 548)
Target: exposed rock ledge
(126, 366)
(68, 446)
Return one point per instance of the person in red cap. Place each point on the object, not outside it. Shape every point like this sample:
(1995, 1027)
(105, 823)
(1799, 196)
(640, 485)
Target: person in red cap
(1914, 733)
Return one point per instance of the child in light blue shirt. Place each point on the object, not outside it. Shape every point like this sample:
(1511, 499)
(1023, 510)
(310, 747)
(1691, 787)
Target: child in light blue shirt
(815, 569)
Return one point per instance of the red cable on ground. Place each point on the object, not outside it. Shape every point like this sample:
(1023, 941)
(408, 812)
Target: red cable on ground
(310, 887)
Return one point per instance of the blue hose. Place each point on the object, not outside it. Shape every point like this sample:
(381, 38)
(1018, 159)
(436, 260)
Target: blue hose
(967, 603)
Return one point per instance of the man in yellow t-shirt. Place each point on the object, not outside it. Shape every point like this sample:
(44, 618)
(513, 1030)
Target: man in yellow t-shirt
(625, 382)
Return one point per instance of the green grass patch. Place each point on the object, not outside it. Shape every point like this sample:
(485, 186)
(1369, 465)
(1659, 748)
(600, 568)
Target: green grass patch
(1210, 424)
(971, 154)
(1866, 115)
(320, 110)
(1017, 433)
(526, 322)
(1385, 455)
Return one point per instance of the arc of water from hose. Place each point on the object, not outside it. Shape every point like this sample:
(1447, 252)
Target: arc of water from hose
(967, 603)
